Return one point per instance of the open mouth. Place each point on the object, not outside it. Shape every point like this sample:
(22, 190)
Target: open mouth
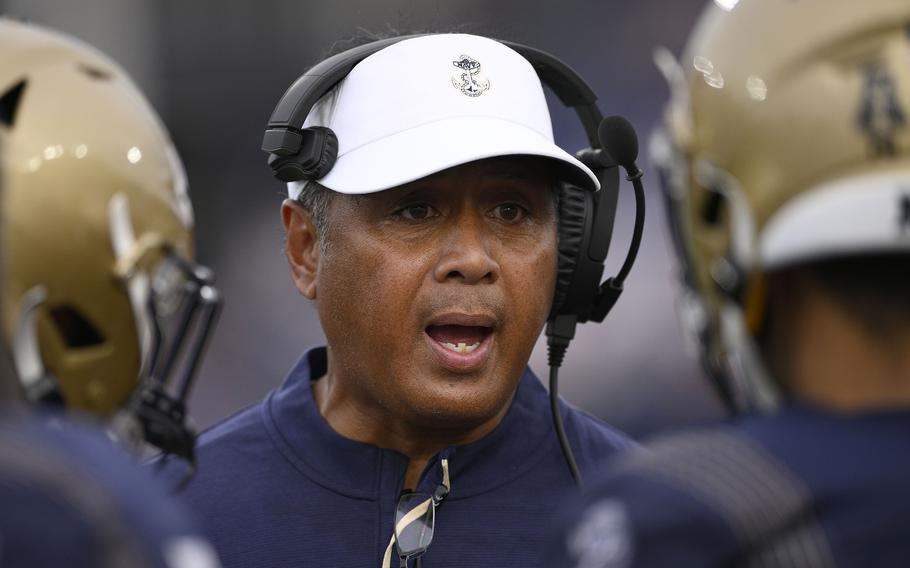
(461, 343)
(459, 338)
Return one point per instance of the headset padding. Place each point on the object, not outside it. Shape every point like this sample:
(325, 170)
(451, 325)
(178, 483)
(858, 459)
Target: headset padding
(293, 168)
(329, 153)
(572, 214)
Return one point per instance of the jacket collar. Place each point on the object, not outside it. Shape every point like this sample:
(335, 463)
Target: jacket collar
(364, 471)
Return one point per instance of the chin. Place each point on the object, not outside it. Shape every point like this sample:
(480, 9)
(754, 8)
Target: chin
(461, 408)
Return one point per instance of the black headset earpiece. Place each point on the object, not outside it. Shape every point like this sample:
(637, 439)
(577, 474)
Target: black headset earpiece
(580, 296)
(585, 230)
(315, 154)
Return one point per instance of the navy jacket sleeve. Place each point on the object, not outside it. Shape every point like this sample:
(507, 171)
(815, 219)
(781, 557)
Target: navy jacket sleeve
(71, 498)
(708, 497)
(631, 520)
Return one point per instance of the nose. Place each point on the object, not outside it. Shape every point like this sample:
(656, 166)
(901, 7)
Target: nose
(466, 254)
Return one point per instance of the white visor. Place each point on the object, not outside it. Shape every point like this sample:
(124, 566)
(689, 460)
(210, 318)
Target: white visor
(429, 103)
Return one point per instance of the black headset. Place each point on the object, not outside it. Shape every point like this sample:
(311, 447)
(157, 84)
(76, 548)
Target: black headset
(585, 217)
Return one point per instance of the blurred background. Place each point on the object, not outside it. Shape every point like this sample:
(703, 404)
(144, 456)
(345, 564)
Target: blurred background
(214, 69)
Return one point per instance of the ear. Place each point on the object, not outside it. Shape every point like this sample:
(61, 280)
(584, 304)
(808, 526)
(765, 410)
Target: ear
(303, 250)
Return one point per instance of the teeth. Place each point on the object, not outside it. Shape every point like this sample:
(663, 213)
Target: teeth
(461, 347)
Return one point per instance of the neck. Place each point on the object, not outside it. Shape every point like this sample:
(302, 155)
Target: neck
(833, 361)
(363, 421)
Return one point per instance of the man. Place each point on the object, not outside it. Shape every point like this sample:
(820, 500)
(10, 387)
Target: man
(101, 288)
(787, 157)
(69, 497)
(430, 252)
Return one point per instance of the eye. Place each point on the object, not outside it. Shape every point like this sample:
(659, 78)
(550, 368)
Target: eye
(416, 212)
(510, 212)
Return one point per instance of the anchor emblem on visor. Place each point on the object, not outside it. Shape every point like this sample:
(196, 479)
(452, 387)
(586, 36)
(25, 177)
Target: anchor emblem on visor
(467, 81)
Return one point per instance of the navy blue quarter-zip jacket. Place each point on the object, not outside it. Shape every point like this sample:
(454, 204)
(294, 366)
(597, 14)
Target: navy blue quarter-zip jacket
(279, 488)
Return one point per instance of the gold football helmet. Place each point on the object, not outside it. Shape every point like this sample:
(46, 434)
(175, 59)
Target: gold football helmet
(104, 308)
(786, 140)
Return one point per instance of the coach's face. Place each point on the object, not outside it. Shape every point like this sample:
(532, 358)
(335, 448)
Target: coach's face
(432, 294)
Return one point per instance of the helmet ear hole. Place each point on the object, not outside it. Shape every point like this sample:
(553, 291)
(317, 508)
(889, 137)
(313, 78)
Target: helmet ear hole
(9, 103)
(75, 329)
(712, 209)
